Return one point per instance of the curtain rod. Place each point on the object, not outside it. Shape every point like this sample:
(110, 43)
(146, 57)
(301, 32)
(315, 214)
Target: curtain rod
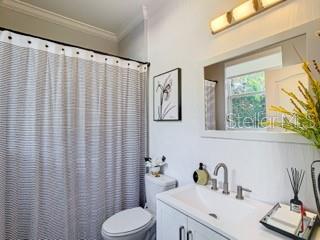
(75, 46)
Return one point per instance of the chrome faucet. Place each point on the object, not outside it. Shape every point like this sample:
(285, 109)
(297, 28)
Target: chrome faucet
(225, 183)
(240, 190)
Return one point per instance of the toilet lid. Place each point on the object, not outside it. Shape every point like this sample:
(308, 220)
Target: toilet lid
(127, 221)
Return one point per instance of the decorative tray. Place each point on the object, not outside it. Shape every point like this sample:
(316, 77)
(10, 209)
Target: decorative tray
(300, 231)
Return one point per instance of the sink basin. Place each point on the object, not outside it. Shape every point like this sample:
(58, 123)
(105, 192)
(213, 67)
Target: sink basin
(232, 218)
(215, 203)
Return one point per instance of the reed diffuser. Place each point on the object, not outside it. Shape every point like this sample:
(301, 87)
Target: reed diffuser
(296, 179)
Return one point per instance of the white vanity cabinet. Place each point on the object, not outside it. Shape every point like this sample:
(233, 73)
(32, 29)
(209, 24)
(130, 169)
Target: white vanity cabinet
(201, 232)
(171, 224)
(174, 225)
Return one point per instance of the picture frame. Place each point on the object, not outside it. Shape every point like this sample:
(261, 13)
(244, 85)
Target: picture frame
(167, 96)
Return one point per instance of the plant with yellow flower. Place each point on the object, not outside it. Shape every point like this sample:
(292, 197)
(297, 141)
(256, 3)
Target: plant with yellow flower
(306, 111)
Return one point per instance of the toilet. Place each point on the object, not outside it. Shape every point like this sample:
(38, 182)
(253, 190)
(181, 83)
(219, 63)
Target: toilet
(138, 223)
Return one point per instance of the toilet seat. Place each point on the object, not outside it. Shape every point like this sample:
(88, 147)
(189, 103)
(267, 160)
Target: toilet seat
(127, 222)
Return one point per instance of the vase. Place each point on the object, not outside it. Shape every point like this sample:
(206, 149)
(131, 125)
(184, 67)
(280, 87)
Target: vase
(295, 204)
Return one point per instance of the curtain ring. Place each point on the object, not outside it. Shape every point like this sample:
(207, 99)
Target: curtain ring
(9, 37)
(77, 52)
(47, 45)
(29, 42)
(62, 49)
(92, 56)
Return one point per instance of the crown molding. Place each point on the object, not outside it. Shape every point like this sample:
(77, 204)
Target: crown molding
(31, 10)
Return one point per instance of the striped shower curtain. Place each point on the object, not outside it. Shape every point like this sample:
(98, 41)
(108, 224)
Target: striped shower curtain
(72, 139)
(210, 104)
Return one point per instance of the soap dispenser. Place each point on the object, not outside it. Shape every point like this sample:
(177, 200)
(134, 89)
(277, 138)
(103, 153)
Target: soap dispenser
(201, 175)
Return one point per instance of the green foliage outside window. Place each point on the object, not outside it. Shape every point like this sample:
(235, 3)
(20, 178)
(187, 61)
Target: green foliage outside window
(247, 101)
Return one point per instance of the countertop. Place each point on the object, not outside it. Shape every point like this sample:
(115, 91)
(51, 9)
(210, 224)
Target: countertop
(249, 228)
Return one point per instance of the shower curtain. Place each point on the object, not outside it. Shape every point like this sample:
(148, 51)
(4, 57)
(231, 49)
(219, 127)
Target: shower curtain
(72, 139)
(210, 104)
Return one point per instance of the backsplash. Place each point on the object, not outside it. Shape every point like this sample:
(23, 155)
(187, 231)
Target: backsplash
(259, 166)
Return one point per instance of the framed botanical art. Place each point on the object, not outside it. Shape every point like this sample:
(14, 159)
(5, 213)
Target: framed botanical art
(167, 96)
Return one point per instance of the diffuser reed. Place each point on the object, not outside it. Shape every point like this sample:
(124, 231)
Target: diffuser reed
(296, 179)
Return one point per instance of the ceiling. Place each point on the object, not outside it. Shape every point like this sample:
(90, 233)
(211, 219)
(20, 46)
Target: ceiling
(115, 16)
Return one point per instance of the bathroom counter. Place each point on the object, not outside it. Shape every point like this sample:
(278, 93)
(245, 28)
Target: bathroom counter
(235, 219)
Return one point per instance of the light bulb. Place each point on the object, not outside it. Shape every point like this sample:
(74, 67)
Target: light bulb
(269, 3)
(244, 10)
(219, 23)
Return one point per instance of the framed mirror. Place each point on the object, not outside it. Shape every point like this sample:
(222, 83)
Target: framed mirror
(239, 87)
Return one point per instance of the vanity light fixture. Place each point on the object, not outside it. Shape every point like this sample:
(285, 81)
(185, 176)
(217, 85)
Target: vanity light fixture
(240, 13)
(269, 3)
(245, 10)
(221, 22)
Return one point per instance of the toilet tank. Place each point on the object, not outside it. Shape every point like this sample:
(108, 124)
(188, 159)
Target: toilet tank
(156, 185)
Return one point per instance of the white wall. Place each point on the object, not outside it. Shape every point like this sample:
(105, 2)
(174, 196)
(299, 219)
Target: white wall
(134, 45)
(179, 36)
(27, 24)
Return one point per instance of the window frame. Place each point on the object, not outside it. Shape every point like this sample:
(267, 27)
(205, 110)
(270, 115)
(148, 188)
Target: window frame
(229, 97)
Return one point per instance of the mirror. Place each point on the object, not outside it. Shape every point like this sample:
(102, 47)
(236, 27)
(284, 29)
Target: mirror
(238, 92)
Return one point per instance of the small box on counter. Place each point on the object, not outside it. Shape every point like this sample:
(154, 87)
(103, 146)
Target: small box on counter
(289, 223)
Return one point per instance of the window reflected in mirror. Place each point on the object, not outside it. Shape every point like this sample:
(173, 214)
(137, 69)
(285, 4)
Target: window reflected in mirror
(246, 101)
(239, 92)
